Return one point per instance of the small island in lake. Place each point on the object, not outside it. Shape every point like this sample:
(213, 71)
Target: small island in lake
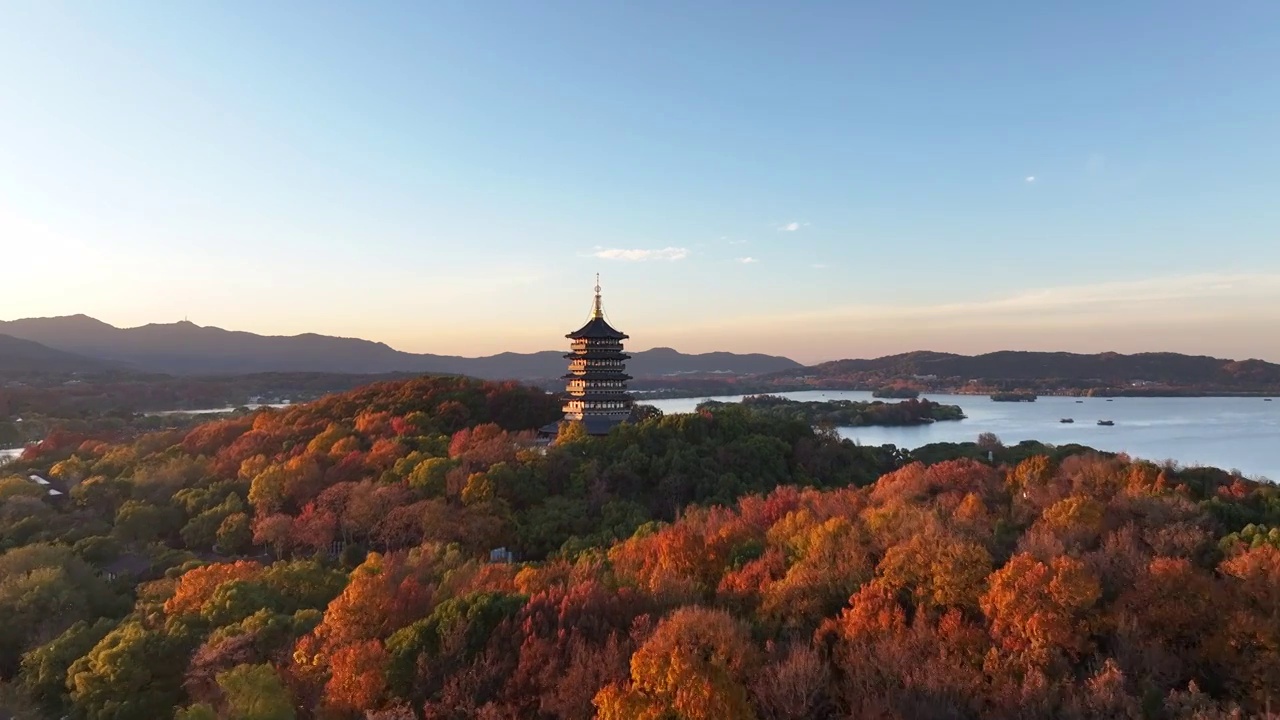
(897, 392)
(1014, 396)
(847, 413)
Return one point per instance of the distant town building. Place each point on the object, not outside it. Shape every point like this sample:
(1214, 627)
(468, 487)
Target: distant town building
(596, 384)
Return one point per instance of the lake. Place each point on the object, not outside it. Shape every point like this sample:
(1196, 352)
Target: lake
(1229, 433)
(218, 411)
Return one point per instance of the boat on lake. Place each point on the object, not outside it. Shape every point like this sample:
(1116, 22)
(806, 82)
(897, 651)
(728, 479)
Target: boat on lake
(1067, 420)
(1106, 422)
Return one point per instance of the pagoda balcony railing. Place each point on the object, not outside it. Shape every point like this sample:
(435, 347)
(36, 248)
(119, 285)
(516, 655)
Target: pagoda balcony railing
(617, 361)
(595, 343)
(598, 409)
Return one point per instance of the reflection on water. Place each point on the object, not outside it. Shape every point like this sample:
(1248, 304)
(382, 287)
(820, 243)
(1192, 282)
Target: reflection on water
(1230, 433)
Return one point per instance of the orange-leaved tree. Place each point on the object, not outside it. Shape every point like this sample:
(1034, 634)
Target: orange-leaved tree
(695, 666)
(1039, 613)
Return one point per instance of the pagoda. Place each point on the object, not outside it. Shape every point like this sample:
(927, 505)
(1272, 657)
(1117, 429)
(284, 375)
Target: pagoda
(596, 384)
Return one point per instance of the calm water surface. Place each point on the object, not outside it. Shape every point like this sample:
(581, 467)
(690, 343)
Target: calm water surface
(218, 411)
(1230, 433)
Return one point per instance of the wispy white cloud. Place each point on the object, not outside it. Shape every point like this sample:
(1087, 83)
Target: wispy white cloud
(640, 255)
(737, 242)
(792, 226)
(747, 260)
(1029, 179)
(1099, 305)
(1215, 314)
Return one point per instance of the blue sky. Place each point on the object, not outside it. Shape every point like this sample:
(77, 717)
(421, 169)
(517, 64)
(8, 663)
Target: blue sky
(822, 179)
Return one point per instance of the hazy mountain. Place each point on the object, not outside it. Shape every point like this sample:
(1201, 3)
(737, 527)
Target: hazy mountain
(185, 348)
(22, 357)
(1171, 368)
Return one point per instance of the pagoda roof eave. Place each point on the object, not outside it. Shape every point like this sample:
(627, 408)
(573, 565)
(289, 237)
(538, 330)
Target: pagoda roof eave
(597, 328)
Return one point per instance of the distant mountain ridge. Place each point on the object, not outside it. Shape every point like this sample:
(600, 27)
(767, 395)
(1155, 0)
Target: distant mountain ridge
(1109, 367)
(185, 348)
(19, 357)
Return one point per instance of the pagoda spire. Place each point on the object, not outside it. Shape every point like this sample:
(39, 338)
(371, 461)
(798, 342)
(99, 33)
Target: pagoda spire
(597, 309)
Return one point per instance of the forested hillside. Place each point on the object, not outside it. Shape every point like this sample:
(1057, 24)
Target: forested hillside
(1056, 370)
(335, 560)
(21, 358)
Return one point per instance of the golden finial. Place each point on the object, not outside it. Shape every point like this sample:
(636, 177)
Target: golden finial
(597, 311)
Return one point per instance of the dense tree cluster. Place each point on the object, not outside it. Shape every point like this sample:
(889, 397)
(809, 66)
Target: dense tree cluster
(120, 404)
(848, 413)
(900, 390)
(333, 561)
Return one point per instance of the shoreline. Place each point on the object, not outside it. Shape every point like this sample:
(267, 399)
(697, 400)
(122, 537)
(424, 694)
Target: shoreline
(640, 396)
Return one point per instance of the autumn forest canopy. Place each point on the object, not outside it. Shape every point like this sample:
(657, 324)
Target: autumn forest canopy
(408, 550)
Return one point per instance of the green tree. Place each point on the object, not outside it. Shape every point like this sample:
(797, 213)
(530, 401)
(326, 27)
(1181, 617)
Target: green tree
(44, 670)
(254, 692)
(70, 471)
(44, 589)
(267, 492)
(235, 535)
(428, 478)
(141, 522)
(199, 711)
(12, 487)
(134, 673)
(101, 495)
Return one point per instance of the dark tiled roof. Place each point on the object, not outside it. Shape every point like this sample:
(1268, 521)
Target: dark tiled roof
(600, 425)
(597, 375)
(597, 328)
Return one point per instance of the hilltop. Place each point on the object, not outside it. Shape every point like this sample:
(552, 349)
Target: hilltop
(184, 348)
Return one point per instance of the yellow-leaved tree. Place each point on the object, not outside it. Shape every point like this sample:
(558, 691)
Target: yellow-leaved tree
(695, 666)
